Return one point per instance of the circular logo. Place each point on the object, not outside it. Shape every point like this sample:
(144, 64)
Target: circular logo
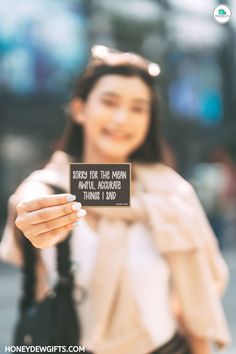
(222, 14)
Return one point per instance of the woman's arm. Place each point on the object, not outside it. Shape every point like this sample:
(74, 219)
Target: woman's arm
(10, 245)
(198, 345)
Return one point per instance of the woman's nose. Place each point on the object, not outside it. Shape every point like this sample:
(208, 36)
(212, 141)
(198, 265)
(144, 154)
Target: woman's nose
(120, 116)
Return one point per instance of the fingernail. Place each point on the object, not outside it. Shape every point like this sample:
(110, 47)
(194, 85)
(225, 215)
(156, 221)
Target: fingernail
(76, 206)
(70, 198)
(77, 223)
(81, 212)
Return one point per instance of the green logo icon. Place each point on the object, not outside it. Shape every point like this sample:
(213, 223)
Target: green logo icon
(222, 12)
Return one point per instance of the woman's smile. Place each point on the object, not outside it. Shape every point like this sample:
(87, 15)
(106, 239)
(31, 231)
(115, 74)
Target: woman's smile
(115, 134)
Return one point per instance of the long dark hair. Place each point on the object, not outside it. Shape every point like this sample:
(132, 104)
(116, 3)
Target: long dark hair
(72, 141)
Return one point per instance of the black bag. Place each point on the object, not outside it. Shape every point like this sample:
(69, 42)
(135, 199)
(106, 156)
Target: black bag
(54, 321)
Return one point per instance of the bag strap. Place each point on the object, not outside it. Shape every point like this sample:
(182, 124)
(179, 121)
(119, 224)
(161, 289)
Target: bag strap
(30, 255)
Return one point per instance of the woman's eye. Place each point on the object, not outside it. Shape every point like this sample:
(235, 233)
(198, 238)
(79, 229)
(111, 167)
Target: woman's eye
(109, 103)
(139, 109)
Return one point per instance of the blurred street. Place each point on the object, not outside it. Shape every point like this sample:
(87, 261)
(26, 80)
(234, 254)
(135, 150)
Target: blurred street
(10, 291)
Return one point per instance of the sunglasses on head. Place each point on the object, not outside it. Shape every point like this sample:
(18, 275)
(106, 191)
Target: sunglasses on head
(101, 54)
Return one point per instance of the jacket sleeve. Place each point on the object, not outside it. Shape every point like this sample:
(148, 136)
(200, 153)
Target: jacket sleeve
(215, 259)
(199, 277)
(10, 250)
(10, 245)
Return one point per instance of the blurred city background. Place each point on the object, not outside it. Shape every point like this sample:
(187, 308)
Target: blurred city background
(44, 44)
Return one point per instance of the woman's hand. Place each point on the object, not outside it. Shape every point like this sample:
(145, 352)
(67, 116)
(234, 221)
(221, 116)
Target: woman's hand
(45, 221)
(200, 345)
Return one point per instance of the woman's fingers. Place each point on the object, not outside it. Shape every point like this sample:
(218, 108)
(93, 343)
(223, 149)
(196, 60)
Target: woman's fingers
(55, 223)
(51, 238)
(44, 202)
(52, 212)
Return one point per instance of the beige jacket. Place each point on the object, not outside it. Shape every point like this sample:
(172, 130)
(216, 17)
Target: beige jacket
(180, 232)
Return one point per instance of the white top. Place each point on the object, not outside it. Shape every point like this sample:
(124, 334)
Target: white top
(149, 272)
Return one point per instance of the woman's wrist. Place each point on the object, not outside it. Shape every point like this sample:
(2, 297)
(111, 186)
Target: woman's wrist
(200, 345)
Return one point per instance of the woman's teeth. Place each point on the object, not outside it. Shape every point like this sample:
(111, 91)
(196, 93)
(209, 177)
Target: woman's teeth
(116, 134)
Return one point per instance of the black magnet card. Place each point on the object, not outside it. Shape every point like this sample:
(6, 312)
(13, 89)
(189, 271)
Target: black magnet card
(101, 184)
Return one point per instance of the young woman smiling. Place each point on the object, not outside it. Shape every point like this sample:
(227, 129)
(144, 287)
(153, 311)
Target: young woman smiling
(153, 272)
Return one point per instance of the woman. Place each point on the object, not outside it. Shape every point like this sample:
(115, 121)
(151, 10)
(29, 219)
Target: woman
(151, 271)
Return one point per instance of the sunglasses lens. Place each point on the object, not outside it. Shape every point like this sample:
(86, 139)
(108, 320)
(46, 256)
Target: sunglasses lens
(113, 56)
(99, 51)
(154, 69)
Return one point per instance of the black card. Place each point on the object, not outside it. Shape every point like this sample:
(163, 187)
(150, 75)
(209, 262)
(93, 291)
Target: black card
(101, 184)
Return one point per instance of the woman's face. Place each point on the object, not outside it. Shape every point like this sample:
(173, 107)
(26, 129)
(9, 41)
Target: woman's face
(115, 117)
